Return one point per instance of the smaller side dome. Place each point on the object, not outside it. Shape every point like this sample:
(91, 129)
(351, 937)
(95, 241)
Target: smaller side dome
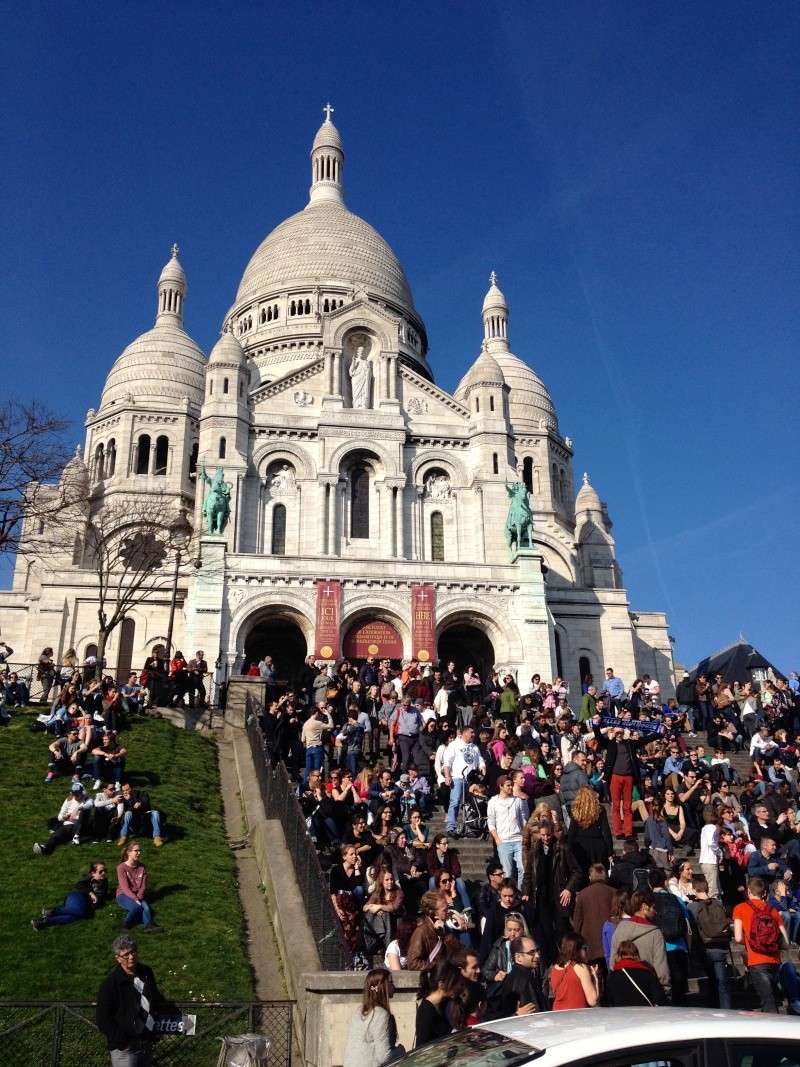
(484, 371)
(227, 351)
(587, 498)
(75, 476)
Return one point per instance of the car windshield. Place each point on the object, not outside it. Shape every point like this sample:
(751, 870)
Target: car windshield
(478, 1048)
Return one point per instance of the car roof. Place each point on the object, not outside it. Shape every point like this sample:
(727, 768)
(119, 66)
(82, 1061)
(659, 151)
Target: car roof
(611, 1028)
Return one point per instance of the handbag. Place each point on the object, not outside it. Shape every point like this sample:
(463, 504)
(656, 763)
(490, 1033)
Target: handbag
(642, 993)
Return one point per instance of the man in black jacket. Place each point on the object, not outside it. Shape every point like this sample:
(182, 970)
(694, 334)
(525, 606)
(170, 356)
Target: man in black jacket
(520, 992)
(128, 1004)
(552, 878)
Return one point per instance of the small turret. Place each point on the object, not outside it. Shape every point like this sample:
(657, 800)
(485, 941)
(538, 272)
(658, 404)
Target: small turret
(171, 291)
(327, 163)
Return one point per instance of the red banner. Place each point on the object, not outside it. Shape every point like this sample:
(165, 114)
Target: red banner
(423, 623)
(373, 637)
(329, 612)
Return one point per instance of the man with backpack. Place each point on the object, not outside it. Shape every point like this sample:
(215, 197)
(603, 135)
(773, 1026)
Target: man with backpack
(672, 919)
(714, 928)
(760, 928)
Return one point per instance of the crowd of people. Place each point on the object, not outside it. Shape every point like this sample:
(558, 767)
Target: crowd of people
(83, 718)
(575, 909)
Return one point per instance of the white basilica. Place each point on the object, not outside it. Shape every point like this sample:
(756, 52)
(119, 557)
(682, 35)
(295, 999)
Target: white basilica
(367, 505)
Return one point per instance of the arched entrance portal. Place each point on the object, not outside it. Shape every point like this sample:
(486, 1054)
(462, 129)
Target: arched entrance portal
(464, 643)
(281, 639)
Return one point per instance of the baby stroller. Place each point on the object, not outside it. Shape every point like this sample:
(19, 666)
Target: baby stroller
(471, 819)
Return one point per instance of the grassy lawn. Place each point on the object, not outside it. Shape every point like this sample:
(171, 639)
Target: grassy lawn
(202, 954)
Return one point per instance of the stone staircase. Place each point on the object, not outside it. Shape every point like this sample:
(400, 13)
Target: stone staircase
(473, 852)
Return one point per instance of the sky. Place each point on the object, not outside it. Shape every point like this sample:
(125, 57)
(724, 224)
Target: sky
(630, 170)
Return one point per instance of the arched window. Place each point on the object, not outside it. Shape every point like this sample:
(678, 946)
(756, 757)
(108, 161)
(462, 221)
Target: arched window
(491, 403)
(477, 404)
(279, 530)
(359, 502)
(143, 454)
(495, 464)
(210, 386)
(99, 463)
(437, 537)
(162, 455)
(527, 473)
(111, 458)
(556, 491)
(193, 458)
(222, 447)
(308, 307)
(225, 385)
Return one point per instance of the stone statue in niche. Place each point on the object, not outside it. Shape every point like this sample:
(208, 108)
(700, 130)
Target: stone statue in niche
(417, 406)
(360, 374)
(437, 487)
(282, 481)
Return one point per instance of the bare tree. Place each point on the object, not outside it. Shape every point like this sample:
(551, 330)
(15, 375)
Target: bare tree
(131, 548)
(32, 453)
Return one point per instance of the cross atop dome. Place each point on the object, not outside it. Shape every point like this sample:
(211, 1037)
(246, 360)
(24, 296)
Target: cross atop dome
(328, 109)
(175, 251)
(492, 278)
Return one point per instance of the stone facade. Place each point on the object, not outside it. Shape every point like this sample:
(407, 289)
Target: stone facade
(346, 462)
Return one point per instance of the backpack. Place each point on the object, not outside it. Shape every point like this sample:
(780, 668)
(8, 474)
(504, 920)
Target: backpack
(764, 936)
(670, 918)
(712, 921)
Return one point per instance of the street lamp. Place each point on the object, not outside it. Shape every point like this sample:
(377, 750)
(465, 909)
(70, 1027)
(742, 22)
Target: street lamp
(180, 534)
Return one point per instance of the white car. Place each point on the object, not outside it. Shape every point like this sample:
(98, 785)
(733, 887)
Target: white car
(621, 1037)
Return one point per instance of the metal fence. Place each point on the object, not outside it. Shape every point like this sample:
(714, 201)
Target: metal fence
(37, 1034)
(28, 674)
(279, 797)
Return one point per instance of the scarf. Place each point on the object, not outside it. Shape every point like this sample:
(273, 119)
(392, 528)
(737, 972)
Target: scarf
(641, 920)
(632, 965)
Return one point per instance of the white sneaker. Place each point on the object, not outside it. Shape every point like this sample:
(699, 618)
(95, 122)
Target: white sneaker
(76, 840)
(37, 848)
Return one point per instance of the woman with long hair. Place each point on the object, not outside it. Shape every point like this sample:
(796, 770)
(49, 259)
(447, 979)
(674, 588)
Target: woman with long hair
(380, 912)
(347, 889)
(573, 982)
(589, 835)
(658, 839)
(383, 826)
(672, 811)
(681, 883)
(372, 1033)
(440, 1011)
(396, 955)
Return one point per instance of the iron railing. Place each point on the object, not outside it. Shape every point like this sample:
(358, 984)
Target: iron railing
(39, 1034)
(28, 674)
(279, 797)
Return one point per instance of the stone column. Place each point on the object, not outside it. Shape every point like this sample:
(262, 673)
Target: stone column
(323, 518)
(400, 549)
(337, 374)
(341, 510)
(331, 518)
(480, 532)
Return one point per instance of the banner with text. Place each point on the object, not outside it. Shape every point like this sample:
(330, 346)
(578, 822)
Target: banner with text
(373, 637)
(423, 623)
(329, 612)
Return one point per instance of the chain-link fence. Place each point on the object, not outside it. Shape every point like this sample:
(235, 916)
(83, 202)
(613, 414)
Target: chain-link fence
(36, 1034)
(279, 796)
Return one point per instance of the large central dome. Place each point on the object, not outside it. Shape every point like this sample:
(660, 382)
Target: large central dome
(325, 244)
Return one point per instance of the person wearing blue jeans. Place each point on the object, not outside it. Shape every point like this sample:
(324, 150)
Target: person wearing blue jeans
(460, 757)
(131, 890)
(137, 812)
(506, 816)
(86, 895)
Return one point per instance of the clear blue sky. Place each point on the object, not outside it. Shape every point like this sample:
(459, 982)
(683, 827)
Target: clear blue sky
(629, 169)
